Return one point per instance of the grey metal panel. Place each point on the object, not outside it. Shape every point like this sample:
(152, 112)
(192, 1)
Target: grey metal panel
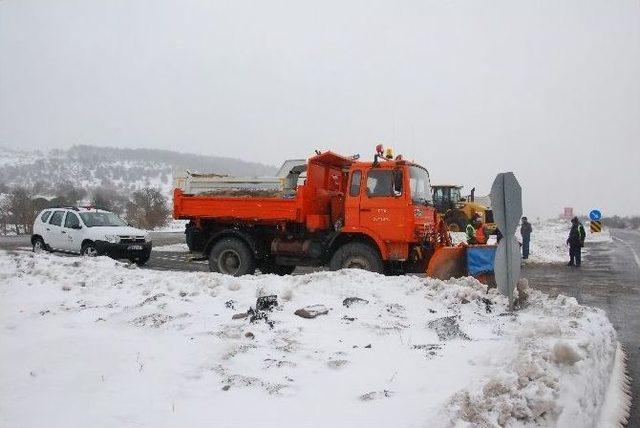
(506, 198)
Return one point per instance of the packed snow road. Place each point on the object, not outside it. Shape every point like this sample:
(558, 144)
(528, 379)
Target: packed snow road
(96, 342)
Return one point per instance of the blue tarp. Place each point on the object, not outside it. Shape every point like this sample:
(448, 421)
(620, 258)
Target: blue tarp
(480, 259)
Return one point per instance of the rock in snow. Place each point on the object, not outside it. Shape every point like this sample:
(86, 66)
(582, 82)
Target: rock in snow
(312, 311)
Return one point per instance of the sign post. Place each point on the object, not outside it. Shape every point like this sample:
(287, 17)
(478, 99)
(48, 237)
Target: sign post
(596, 223)
(506, 201)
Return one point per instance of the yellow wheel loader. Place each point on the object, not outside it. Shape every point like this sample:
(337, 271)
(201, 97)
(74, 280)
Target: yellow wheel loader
(458, 211)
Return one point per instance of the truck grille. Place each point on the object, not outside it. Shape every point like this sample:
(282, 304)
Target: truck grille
(131, 239)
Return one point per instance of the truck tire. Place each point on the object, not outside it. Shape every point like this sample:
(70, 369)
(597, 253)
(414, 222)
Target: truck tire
(357, 255)
(456, 221)
(232, 256)
(271, 267)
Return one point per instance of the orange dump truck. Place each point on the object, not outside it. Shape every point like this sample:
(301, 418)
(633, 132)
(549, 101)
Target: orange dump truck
(328, 210)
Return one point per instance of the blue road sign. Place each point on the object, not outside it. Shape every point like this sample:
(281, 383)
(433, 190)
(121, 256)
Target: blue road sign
(595, 215)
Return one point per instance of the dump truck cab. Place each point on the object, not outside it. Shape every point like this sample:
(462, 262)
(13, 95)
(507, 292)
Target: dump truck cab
(390, 202)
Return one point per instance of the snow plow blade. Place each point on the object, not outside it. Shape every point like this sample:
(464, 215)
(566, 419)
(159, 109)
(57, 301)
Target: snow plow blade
(448, 262)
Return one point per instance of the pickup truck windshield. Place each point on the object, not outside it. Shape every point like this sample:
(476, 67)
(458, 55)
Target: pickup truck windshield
(420, 186)
(92, 219)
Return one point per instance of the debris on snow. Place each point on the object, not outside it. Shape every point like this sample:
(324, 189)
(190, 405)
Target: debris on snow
(447, 328)
(353, 301)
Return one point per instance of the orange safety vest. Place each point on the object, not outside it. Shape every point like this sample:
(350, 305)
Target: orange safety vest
(481, 238)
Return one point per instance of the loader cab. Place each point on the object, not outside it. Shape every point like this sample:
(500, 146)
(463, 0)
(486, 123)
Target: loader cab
(446, 197)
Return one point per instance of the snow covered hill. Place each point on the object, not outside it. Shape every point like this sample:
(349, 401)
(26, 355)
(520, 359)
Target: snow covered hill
(95, 342)
(123, 169)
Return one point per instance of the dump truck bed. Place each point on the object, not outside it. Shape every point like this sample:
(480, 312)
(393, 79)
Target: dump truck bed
(245, 208)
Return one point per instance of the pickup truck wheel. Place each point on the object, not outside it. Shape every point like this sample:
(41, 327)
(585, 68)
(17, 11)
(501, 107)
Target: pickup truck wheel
(233, 257)
(356, 255)
(89, 249)
(270, 267)
(39, 246)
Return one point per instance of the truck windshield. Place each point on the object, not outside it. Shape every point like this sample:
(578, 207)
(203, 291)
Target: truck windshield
(420, 185)
(92, 219)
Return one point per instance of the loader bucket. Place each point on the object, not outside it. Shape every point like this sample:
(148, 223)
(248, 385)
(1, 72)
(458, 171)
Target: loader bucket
(447, 263)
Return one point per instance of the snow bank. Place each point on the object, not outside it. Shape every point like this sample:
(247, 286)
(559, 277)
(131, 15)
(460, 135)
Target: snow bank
(173, 248)
(172, 226)
(549, 237)
(96, 342)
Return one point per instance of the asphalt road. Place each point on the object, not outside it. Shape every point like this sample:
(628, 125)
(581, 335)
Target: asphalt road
(608, 279)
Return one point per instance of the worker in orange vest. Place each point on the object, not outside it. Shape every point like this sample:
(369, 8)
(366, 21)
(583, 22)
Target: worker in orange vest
(476, 234)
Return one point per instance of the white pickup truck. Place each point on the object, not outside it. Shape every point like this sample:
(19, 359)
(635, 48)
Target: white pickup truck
(91, 232)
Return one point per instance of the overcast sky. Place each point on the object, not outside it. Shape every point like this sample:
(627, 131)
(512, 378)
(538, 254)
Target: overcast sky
(547, 89)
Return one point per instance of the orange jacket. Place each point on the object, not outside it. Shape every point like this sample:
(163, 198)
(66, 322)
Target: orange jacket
(481, 237)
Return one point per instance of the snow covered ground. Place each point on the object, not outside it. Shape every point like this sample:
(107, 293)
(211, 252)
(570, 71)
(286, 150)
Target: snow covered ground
(549, 237)
(95, 342)
(173, 226)
(173, 248)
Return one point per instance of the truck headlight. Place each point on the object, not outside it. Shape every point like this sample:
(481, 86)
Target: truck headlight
(112, 239)
(147, 238)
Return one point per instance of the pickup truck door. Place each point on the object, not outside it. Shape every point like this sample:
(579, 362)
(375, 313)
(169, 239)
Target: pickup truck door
(71, 234)
(383, 204)
(52, 233)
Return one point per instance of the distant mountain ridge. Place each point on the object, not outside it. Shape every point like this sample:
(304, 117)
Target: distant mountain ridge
(125, 170)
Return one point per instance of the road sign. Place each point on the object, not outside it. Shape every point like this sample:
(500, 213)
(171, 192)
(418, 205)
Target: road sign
(596, 226)
(595, 215)
(506, 202)
(568, 213)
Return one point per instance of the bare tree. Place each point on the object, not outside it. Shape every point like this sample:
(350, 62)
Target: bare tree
(109, 199)
(148, 208)
(22, 210)
(4, 214)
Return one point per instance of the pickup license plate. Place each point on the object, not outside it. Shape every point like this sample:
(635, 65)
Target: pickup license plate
(134, 247)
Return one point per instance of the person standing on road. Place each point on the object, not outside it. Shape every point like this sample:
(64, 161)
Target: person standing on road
(582, 233)
(574, 241)
(525, 232)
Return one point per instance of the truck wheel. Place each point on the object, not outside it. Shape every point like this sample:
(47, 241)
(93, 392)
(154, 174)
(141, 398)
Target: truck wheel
(232, 256)
(270, 267)
(356, 255)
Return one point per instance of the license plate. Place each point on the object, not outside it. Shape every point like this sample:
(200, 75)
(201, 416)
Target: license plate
(134, 247)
